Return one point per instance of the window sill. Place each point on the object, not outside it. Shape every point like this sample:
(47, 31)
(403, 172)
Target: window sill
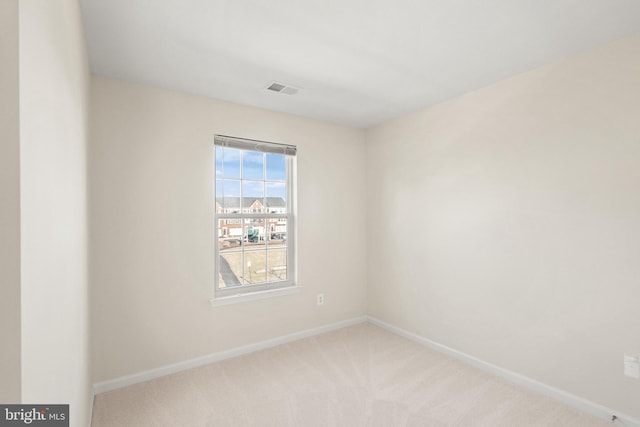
(251, 296)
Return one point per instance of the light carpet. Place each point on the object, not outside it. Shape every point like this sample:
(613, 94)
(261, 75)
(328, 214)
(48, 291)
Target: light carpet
(356, 376)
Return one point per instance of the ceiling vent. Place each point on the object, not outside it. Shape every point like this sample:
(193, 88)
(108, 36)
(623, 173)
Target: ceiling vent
(282, 88)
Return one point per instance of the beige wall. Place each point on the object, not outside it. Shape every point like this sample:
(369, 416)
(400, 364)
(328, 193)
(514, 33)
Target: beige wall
(53, 109)
(508, 223)
(9, 205)
(151, 209)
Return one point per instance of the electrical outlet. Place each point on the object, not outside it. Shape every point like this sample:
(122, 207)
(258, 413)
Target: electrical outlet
(320, 299)
(631, 366)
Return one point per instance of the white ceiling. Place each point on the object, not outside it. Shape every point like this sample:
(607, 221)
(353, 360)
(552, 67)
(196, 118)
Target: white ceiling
(357, 62)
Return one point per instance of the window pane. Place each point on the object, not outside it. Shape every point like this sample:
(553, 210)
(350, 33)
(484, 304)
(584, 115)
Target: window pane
(276, 167)
(252, 165)
(253, 196)
(276, 201)
(229, 235)
(230, 269)
(219, 196)
(254, 232)
(255, 268)
(277, 232)
(277, 264)
(231, 163)
(219, 162)
(231, 196)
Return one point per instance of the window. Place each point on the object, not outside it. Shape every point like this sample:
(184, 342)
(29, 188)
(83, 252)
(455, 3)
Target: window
(253, 216)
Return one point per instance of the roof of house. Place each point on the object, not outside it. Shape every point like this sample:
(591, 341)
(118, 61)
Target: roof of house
(234, 202)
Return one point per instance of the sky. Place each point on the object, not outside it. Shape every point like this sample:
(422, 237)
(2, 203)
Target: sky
(263, 174)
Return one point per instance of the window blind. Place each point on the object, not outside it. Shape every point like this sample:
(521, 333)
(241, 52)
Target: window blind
(261, 146)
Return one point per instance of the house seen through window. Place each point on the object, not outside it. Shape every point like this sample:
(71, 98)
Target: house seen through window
(253, 215)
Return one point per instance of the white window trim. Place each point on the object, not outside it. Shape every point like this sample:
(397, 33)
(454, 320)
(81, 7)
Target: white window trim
(254, 292)
(252, 296)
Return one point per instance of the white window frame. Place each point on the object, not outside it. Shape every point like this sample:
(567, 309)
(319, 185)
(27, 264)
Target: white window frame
(223, 295)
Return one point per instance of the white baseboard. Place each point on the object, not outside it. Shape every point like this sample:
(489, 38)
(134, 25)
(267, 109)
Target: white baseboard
(151, 374)
(583, 405)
